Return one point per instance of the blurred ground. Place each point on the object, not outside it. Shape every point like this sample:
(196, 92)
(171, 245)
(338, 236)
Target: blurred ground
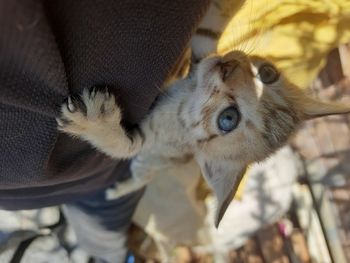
(324, 145)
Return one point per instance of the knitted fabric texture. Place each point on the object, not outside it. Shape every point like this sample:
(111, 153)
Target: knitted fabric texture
(50, 49)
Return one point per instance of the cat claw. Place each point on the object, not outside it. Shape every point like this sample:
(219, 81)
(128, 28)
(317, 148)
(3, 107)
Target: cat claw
(70, 105)
(107, 94)
(59, 122)
(93, 110)
(92, 93)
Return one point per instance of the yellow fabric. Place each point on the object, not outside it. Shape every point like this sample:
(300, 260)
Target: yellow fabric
(240, 190)
(296, 35)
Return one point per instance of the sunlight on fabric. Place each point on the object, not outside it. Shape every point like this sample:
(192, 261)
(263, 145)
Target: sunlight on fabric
(295, 35)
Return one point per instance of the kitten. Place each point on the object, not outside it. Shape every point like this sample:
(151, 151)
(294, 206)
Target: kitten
(232, 111)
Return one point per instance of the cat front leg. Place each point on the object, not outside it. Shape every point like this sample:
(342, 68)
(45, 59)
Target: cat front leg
(126, 187)
(95, 117)
(143, 169)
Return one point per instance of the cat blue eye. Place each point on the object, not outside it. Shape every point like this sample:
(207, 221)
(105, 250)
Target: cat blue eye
(228, 119)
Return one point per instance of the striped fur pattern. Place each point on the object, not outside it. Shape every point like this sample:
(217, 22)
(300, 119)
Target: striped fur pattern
(184, 123)
(205, 40)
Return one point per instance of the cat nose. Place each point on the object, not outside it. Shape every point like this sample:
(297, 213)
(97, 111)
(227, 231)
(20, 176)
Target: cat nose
(226, 68)
(234, 55)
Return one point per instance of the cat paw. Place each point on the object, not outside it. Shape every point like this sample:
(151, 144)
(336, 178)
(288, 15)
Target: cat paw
(90, 113)
(115, 193)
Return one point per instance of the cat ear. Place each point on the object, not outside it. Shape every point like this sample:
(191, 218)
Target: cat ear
(312, 108)
(223, 176)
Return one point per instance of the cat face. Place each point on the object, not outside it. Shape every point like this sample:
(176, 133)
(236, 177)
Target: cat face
(241, 110)
(241, 105)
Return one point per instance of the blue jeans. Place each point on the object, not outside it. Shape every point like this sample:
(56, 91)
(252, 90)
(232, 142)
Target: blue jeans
(101, 225)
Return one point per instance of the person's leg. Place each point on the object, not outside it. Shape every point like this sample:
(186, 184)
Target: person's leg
(101, 225)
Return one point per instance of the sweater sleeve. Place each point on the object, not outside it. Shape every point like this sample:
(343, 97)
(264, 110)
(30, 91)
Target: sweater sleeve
(50, 49)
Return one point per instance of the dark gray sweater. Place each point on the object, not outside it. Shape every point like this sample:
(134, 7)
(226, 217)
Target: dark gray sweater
(52, 48)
